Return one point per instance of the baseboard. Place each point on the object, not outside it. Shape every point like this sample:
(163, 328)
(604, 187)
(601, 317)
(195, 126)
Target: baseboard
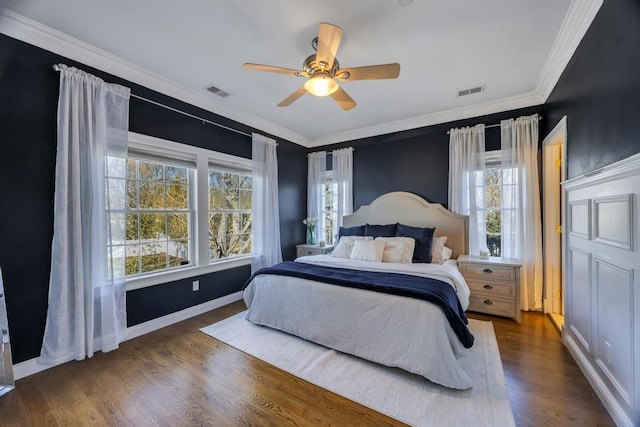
(178, 316)
(611, 404)
(30, 367)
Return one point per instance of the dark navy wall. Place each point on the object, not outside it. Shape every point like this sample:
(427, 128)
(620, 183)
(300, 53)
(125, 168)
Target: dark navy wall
(28, 108)
(417, 160)
(599, 91)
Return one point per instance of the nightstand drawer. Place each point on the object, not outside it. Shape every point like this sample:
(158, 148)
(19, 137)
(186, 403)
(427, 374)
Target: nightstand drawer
(308, 251)
(304, 250)
(492, 288)
(492, 305)
(488, 272)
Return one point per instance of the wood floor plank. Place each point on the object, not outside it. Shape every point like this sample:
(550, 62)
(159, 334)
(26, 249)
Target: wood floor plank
(180, 376)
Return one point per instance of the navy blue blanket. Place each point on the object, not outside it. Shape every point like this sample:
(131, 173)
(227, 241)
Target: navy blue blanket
(432, 290)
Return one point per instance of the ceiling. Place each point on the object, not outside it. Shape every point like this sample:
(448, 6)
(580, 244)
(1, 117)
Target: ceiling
(516, 50)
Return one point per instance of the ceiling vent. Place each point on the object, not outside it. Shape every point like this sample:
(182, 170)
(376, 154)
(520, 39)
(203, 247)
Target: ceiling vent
(217, 91)
(471, 91)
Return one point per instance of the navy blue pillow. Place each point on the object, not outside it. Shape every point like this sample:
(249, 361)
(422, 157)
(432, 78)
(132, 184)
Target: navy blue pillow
(358, 230)
(388, 230)
(423, 238)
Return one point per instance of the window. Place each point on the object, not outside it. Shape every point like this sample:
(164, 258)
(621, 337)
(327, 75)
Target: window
(158, 216)
(329, 204)
(499, 182)
(229, 213)
(186, 210)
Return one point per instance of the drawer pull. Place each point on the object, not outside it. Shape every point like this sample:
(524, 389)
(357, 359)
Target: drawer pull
(487, 270)
(488, 302)
(488, 287)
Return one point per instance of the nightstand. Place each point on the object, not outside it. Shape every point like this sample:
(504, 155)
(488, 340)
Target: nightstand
(494, 284)
(302, 250)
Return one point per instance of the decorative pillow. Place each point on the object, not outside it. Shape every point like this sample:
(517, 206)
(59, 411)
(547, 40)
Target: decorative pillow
(397, 249)
(358, 230)
(368, 250)
(423, 237)
(446, 253)
(388, 230)
(345, 246)
(437, 249)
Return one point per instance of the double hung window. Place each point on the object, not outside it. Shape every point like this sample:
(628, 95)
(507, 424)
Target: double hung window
(329, 206)
(186, 210)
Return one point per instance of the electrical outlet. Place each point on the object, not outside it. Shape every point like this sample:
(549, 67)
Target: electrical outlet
(196, 285)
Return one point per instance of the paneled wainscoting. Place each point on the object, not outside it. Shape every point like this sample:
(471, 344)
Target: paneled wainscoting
(602, 298)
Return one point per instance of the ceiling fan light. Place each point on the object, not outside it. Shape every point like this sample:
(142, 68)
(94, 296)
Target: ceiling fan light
(321, 85)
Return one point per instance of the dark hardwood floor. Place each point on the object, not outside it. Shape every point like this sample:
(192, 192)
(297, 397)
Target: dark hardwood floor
(178, 376)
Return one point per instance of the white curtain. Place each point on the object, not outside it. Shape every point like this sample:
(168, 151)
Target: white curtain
(316, 178)
(264, 204)
(521, 223)
(86, 291)
(466, 181)
(342, 165)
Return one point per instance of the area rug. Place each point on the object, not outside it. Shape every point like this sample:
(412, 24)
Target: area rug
(406, 397)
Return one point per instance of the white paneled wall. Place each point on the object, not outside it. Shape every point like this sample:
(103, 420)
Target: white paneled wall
(602, 281)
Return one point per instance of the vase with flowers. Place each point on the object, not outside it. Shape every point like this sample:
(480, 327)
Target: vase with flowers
(311, 227)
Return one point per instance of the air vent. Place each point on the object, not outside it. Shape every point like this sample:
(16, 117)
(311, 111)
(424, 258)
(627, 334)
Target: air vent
(471, 91)
(217, 91)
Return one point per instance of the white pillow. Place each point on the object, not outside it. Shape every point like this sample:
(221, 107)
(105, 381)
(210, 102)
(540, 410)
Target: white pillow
(345, 246)
(368, 250)
(436, 250)
(446, 253)
(397, 249)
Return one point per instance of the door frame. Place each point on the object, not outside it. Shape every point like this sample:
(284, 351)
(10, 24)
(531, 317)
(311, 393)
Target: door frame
(557, 136)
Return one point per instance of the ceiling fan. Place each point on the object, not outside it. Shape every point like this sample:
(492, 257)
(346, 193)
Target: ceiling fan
(323, 70)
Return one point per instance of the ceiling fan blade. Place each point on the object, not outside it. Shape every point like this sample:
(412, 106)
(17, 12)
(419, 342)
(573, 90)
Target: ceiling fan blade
(343, 99)
(273, 69)
(329, 37)
(371, 72)
(291, 98)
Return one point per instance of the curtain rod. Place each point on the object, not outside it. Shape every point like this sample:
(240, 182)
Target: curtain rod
(193, 116)
(352, 149)
(495, 125)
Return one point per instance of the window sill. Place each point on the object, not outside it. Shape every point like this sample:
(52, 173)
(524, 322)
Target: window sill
(185, 273)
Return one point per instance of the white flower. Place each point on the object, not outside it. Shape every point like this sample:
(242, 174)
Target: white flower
(310, 222)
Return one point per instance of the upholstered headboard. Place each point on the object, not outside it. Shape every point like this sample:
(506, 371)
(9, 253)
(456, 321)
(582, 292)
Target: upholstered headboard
(410, 209)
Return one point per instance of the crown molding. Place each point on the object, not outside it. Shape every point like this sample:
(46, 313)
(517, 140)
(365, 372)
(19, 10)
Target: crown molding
(29, 31)
(492, 107)
(575, 25)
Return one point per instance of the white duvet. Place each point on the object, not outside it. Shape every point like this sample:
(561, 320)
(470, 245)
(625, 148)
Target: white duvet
(391, 330)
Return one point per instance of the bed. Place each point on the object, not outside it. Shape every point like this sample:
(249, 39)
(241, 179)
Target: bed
(394, 330)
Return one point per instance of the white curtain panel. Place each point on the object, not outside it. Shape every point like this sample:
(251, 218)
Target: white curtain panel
(342, 165)
(317, 176)
(466, 181)
(264, 204)
(521, 223)
(86, 293)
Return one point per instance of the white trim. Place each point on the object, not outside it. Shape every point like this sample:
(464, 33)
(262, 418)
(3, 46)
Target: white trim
(512, 103)
(615, 410)
(27, 30)
(576, 23)
(579, 17)
(31, 366)
(166, 276)
(203, 158)
(618, 170)
(179, 316)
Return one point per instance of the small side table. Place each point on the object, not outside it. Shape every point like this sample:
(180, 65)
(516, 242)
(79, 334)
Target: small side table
(494, 284)
(305, 249)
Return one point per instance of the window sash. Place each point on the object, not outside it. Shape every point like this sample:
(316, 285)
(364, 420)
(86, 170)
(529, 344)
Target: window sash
(237, 242)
